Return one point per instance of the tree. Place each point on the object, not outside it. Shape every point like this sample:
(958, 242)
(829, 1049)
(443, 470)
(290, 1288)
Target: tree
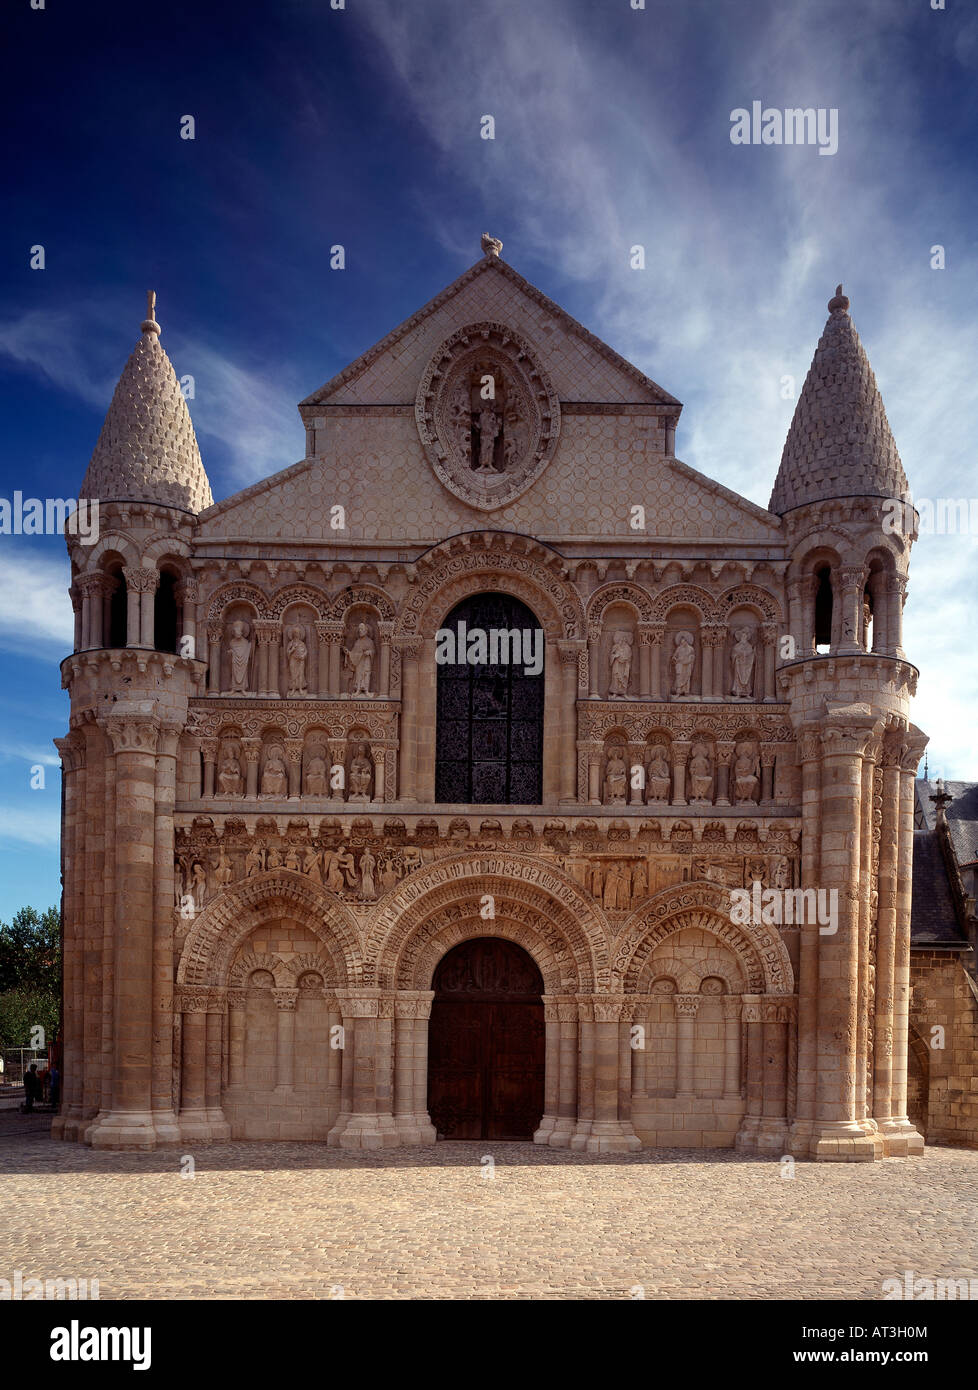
(30, 976)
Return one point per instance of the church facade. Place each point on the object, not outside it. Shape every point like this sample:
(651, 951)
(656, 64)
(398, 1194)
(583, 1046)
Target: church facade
(492, 774)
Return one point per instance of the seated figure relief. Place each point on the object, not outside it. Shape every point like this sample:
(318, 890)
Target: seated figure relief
(317, 774)
(657, 774)
(361, 774)
(616, 778)
(229, 780)
(701, 773)
(747, 773)
(275, 777)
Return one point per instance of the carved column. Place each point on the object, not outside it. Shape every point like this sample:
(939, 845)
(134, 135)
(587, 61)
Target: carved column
(640, 1054)
(237, 1006)
(378, 754)
(593, 653)
(712, 641)
(896, 589)
(215, 636)
(187, 594)
(568, 652)
(213, 1062)
(746, 1139)
(625, 1077)
(91, 588)
(636, 775)
(335, 634)
(725, 752)
(140, 586)
(208, 751)
(567, 1081)
(687, 1007)
(680, 754)
(410, 649)
(609, 1132)
(77, 606)
(645, 640)
(193, 1064)
(337, 769)
(384, 634)
(809, 755)
(371, 1123)
(268, 634)
(767, 774)
(769, 637)
(594, 774)
(322, 659)
(837, 1133)
(285, 1038)
(772, 1131)
(132, 836)
(412, 1010)
(551, 1082)
(293, 751)
(251, 747)
(72, 750)
(892, 752)
(656, 638)
(900, 1135)
(853, 578)
(731, 1045)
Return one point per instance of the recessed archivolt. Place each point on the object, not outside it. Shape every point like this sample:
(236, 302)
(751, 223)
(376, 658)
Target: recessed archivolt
(237, 593)
(416, 967)
(555, 603)
(759, 950)
(110, 543)
(360, 596)
(568, 934)
(281, 895)
(748, 596)
(277, 603)
(245, 967)
(675, 964)
(630, 594)
(683, 596)
(162, 547)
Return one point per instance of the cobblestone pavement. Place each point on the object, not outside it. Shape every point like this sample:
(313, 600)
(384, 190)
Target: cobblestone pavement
(298, 1221)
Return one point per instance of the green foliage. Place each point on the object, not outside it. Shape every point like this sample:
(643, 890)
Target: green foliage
(21, 1010)
(30, 975)
(30, 951)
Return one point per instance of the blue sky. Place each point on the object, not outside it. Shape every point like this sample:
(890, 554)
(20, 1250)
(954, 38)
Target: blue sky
(361, 127)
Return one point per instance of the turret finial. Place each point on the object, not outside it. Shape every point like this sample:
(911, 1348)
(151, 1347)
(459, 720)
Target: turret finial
(149, 324)
(491, 245)
(838, 300)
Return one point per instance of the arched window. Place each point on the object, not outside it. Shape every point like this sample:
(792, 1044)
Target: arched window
(165, 614)
(489, 656)
(117, 634)
(823, 610)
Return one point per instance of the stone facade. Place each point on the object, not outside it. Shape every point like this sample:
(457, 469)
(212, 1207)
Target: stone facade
(260, 879)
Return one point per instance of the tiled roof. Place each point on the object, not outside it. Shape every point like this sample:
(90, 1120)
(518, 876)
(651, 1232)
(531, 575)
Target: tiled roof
(933, 920)
(839, 443)
(147, 450)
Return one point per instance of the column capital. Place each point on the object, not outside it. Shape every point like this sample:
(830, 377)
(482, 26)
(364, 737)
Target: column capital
(285, 999)
(687, 1005)
(188, 590)
(141, 580)
(267, 630)
(132, 733)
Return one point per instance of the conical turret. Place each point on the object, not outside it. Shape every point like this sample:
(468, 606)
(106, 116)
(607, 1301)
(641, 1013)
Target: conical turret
(839, 443)
(147, 451)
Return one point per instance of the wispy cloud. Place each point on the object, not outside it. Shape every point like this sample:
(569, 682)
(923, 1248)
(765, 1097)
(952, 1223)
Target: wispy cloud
(35, 610)
(27, 826)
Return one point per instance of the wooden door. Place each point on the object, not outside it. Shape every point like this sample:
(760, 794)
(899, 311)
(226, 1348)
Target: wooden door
(486, 1042)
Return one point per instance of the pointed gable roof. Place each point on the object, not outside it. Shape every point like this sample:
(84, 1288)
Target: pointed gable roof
(839, 443)
(147, 450)
(492, 264)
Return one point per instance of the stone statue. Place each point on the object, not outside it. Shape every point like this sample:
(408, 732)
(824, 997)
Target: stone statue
(782, 874)
(317, 774)
(311, 866)
(701, 773)
(254, 861)
(223, 870)
(240, 648)
(368, 864)
(657, 774)
(275, 778)
(683, 661)
(621, 665)
(298, 654)
(488, 430)
(360, 659)
(273, 858)
(742, 665)
(292, 860)
(336, 860)
(229, 777)
(617, 885)
(198, 884)
(640, 881)
(491, 245)
(616, 777)
(746, 771)
(361, 774)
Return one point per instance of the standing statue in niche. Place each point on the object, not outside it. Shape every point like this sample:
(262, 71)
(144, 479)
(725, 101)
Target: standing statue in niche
(368, 887)
(701, 773)
(621, 665)
(742, 665)
(488, 430)
(361, 774)
(683, 661)
(239, 647)
(360, 659)
(615, 777)
(298, 654)
(657, 774)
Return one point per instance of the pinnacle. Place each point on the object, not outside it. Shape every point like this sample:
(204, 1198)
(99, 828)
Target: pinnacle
(839, 443)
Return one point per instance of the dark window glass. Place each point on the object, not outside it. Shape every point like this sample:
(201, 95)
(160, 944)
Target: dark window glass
(490, 716)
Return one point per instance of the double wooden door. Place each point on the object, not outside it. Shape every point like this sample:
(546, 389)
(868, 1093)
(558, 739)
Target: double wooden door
(486, 1042)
